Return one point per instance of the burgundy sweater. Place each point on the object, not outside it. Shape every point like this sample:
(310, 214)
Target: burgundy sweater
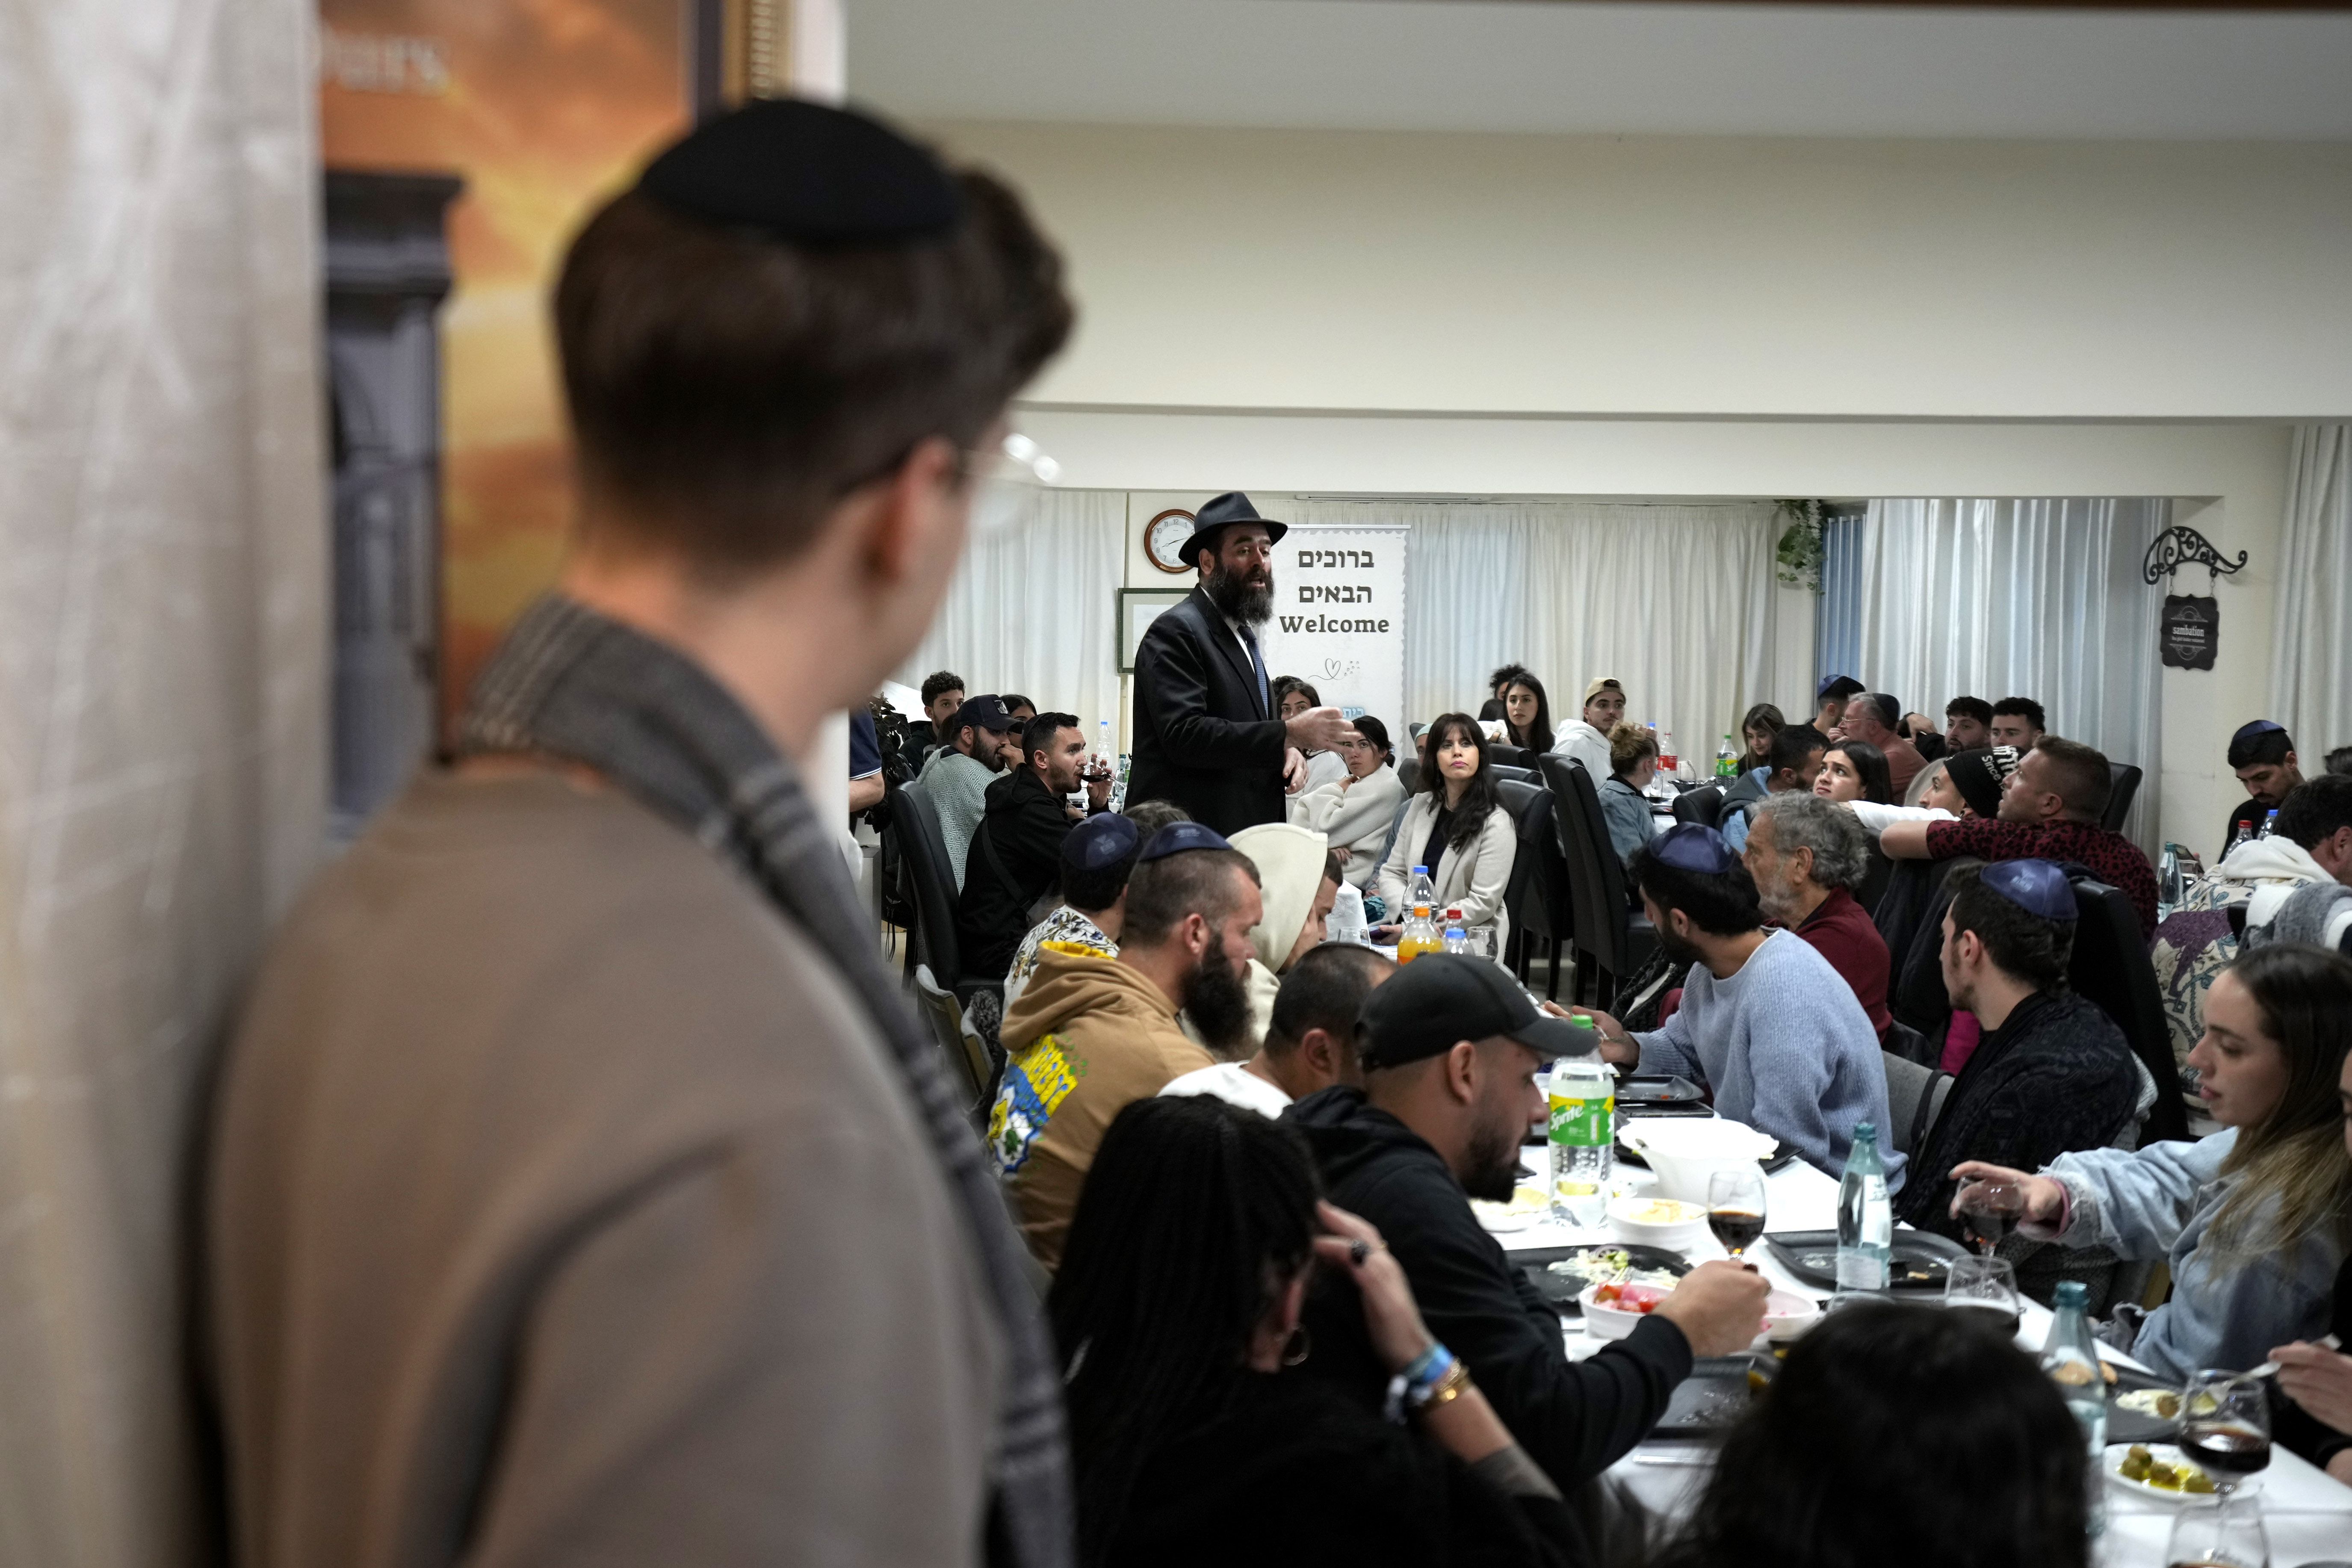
(1843, 933)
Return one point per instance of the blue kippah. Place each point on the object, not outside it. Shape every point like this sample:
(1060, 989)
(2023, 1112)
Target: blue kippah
(1179, 836)
(2259, 727)
(1694, 846)
(1099, 840)
(2037, 887)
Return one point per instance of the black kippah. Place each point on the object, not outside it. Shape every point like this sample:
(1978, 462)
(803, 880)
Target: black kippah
(789, 169)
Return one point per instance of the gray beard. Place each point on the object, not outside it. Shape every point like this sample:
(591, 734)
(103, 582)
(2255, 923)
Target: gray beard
(1252, 605)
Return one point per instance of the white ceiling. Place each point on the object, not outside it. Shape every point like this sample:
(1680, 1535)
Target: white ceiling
(1570, 68)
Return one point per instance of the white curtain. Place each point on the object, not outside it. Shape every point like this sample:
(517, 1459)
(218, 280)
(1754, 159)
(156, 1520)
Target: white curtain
(2311, 649)
(162, 710)
(1676, 601)
(1940, 598)
(1031, 609)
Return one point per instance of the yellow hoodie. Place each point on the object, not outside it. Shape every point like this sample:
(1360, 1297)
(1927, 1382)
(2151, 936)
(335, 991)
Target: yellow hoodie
(1087, 1035)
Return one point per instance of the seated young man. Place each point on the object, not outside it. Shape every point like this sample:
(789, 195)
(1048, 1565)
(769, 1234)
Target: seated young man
(2053, 1072)
(2050, 810)
(2262, 756)
(1016, 853)
(1765, 1022)
(1091, 1034)
(1797, 752)
(2019, 721)
(1807, 856)
(1310, 1040)
(957, 775)
(1449, 1049)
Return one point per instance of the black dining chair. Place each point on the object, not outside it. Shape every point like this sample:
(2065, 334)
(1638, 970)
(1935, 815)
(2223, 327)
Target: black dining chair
(1506, 772)
(1511, 757)
(2110, 966)
(1536, 897)
(1608, 931)
(1703, 805)
(2125, 790)
(1408, 770)
(929, 885)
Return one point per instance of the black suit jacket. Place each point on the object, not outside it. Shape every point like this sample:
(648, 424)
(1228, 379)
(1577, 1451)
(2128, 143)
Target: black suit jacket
(1203, 739)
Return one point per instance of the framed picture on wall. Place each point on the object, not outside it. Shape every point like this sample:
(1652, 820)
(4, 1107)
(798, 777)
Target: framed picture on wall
(1138, 607)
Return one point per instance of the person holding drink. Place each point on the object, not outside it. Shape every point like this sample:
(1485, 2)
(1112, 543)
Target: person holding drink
(2253, 1218)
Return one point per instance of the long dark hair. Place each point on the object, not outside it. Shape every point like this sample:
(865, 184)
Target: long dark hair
(1194, 1217)
(1878, 780)
(1535, 737)
(1896, 1424)
(1766, 717)
(1480, 799)
(2296, 1156)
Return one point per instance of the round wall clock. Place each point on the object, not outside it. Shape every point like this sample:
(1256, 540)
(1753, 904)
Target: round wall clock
(1164, 535)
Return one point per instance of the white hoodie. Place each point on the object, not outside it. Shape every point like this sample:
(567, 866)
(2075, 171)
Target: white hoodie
(2261, 874)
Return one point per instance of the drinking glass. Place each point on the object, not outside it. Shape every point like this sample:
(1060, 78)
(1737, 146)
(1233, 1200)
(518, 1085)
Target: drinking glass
(1735, 1206)
(2225, 1425)
(1985, 1287)
(2226, 1533)
(1990, 1211)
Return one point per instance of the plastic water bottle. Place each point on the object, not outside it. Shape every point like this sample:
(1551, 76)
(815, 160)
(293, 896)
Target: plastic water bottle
(1726, 760)
(1457, 936)
(1582, 1096)
(2269, 823)
(1420, 889)
(1345, 921)
(1669, 760)
(2245, 835)
(2070, 1358)
(1865, 1218)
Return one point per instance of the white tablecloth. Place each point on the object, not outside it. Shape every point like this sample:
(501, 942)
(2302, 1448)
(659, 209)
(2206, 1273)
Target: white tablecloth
(2308, 1515)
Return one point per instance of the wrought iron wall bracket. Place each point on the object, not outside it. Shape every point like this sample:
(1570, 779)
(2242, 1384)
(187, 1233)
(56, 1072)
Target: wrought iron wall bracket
(2180, 546)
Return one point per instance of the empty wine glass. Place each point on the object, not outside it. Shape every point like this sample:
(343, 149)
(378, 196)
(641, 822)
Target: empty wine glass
(1735, 1206)
(2226, 1533)
(1985, 1287)
(2225, 1425)
(1990, 1211)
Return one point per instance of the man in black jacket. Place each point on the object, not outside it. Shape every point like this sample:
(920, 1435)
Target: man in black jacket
(1015, 856)
(1207, 734)
(1449, 1048)
(2051, 1073)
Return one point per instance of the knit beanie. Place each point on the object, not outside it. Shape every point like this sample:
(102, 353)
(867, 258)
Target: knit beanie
(1978, 775)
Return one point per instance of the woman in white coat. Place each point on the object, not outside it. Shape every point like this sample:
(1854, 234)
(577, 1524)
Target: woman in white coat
(1356, 812)
(1457, 828)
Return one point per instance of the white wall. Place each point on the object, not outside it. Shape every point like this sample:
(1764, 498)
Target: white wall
(1692, 276)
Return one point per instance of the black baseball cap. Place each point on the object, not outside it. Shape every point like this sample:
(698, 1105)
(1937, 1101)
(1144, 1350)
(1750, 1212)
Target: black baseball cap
(1442, 997)
(987, 712)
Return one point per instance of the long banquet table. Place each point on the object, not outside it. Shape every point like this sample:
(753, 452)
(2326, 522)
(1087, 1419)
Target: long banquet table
(2308, 1515)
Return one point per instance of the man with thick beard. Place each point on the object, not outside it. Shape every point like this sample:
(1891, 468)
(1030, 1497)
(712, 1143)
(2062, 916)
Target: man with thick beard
(1449, 1051)
(1208, 735)
(1765, 1022)
(1090, 1034)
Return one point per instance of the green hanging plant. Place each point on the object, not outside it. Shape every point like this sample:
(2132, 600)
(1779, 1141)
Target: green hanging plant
(1797, 555)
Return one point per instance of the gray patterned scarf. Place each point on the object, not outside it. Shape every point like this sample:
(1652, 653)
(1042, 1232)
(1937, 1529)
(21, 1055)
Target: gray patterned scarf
(570, 683)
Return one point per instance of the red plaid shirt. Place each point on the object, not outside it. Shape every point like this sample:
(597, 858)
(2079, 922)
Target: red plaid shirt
(2111, 857)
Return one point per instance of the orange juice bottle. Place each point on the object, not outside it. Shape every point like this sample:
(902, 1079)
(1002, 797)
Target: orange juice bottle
(1419, 936)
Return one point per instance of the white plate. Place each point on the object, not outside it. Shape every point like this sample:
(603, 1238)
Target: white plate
(1516, 1215)
(2111, 1461)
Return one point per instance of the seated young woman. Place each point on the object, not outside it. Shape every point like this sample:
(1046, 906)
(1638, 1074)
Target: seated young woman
(1853, 771)
(1176, 1312)
(2253, 1218)
(1457, 828)
(1756, 728)
(2317, 1381)
(1356, 811)
(1293, 697)
(1633, 763)
(1895, 1434)
(1526, 713)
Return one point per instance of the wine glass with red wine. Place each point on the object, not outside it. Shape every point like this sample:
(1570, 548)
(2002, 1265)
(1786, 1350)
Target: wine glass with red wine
(1990, 1211)
(1735, 1206)
(2225, 1426)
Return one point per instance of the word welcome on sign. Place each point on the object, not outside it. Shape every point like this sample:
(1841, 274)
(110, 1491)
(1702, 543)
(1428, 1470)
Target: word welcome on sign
(1354, 661)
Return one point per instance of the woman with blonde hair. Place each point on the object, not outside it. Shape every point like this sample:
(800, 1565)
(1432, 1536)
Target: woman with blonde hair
(1625, 805)
(2254, 1218)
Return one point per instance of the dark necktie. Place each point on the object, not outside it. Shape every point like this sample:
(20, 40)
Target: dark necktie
(1257, 665)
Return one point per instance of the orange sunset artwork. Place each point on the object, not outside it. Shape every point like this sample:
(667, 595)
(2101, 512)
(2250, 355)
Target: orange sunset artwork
(542, 108)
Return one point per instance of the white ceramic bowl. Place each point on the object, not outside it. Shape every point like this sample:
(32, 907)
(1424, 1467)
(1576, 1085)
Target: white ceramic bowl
(1603, 1322)
(1685, 1150)
(1788, 1315)
(1673, 1224)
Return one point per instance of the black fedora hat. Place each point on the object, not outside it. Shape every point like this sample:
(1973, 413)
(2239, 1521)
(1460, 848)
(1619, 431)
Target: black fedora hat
(1227, 509)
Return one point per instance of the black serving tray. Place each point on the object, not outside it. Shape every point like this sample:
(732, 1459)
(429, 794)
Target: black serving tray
(1920, 1258)
(1718, 1392)
(1657, 1089)
(1561, 1291)
(1782, 1152)
(2130, 1427)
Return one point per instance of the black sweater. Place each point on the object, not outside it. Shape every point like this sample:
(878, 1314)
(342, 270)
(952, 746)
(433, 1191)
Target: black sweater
(1014, 859)
(2056, 1075)
(1574, 1418)
(1297, 1474)
(2304, 1434)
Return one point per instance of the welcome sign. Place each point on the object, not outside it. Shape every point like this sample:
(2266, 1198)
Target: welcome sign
(1338, 618)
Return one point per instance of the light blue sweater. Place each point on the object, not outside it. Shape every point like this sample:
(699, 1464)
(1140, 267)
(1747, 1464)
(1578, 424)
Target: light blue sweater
(2159, 1201)
(1786, 1048)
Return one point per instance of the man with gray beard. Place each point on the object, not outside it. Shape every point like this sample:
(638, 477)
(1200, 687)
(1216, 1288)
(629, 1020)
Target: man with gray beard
(1208, 736)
